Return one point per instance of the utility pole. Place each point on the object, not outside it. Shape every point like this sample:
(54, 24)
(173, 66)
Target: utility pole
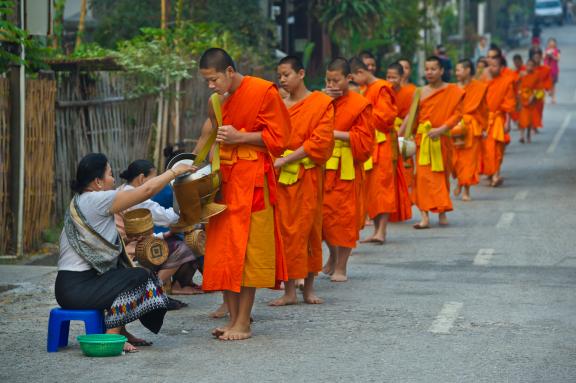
(17, 140)
(462, 27)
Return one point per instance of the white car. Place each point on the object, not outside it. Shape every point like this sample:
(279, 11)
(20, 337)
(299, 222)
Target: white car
(548, 12)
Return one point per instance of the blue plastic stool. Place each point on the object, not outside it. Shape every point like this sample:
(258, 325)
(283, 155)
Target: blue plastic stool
(59, 325)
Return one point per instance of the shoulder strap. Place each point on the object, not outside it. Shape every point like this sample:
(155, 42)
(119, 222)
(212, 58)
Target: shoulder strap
(412, 113)
(203, 153)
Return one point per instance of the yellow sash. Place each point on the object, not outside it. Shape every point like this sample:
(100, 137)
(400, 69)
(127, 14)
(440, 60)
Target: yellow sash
(342, 155)
(289, 172)
(398, 123)
(495, 120)
(539, 94)
(380, 138)
(430, 148)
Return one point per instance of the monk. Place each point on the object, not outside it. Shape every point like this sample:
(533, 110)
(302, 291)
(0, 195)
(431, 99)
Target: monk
(380, 169)
(300, 184)
(370, 61)
(529, 87)
(439, 111)
(501, 101)
(546, 83)
(466, 158)
(342, 212)
(404, 96)
(519, 69)
(243, 247)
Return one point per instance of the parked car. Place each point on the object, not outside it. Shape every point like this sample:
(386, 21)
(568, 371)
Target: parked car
(548, 12)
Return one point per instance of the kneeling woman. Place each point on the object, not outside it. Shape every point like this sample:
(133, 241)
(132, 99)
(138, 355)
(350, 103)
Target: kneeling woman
(92, 273)
(181, 259)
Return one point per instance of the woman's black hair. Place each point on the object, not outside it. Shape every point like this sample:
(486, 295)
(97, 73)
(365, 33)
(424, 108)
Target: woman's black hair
(136, 168)
(92, 166)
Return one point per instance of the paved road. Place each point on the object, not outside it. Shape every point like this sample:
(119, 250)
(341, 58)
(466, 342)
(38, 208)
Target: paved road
(489, 299)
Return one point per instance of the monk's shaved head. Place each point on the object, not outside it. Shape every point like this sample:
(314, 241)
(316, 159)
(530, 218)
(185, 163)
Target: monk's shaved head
(468, 64)
(366, 55)
(434, 59)
(293, 61)
(217, 59)
(339, 64)
(397, 67)
(357, 64)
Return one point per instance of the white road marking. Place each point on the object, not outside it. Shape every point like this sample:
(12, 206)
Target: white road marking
(483, 257)
(521, 195)
(446, 318)
(505, 220)
(559, 134)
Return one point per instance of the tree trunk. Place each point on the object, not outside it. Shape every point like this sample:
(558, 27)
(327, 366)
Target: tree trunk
(81, 22)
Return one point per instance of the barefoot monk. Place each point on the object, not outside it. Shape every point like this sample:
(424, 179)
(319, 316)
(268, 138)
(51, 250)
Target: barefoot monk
(243, 247)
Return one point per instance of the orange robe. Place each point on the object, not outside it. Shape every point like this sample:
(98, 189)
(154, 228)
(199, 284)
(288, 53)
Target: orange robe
(501, 100)
(300, 203)
(380, 180)
(528, 87)
(243, 245)
(546, 83)
(431, 190)
(466, 160)
(404, 98)
(515, 115)
(342, 210)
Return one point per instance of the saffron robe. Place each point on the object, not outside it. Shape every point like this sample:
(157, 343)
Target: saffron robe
(380, 179)
(300, 203)
(342, 211)
(243, 244)
(466, 160)
(546, 82)
(404, 98)
(501, 100)
(431, 191)
(529, 88)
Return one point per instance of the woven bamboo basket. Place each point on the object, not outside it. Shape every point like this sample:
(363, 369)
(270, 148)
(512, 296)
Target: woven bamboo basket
(151, 252)
(196, 240)
(138, 222)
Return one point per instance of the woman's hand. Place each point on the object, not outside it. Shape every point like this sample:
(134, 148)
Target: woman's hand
(183, 168)
(227, 134)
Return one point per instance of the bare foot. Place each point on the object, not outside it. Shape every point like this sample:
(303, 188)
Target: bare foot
(134, 340)
(220, 312)
(218, 331)
(367, 239)
(466, 198)
(328, 268)
(457, 190)
(284, 300)
(312, 299)
(442, 219)
(186, 290)
(338, 277)
(129, 348)
(300, 284)
(237, 333)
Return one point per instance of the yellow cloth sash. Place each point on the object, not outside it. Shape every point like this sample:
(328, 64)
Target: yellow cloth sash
(342, 155)
(398, 123)
(289, 172)
(496, 121)
(230, 154)
(380, 138)
(539, 94)
(430, 148)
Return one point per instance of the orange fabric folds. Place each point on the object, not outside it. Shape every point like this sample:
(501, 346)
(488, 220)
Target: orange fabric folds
(342, 211)
(300, 203)
(431, 191)
(239, 250)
